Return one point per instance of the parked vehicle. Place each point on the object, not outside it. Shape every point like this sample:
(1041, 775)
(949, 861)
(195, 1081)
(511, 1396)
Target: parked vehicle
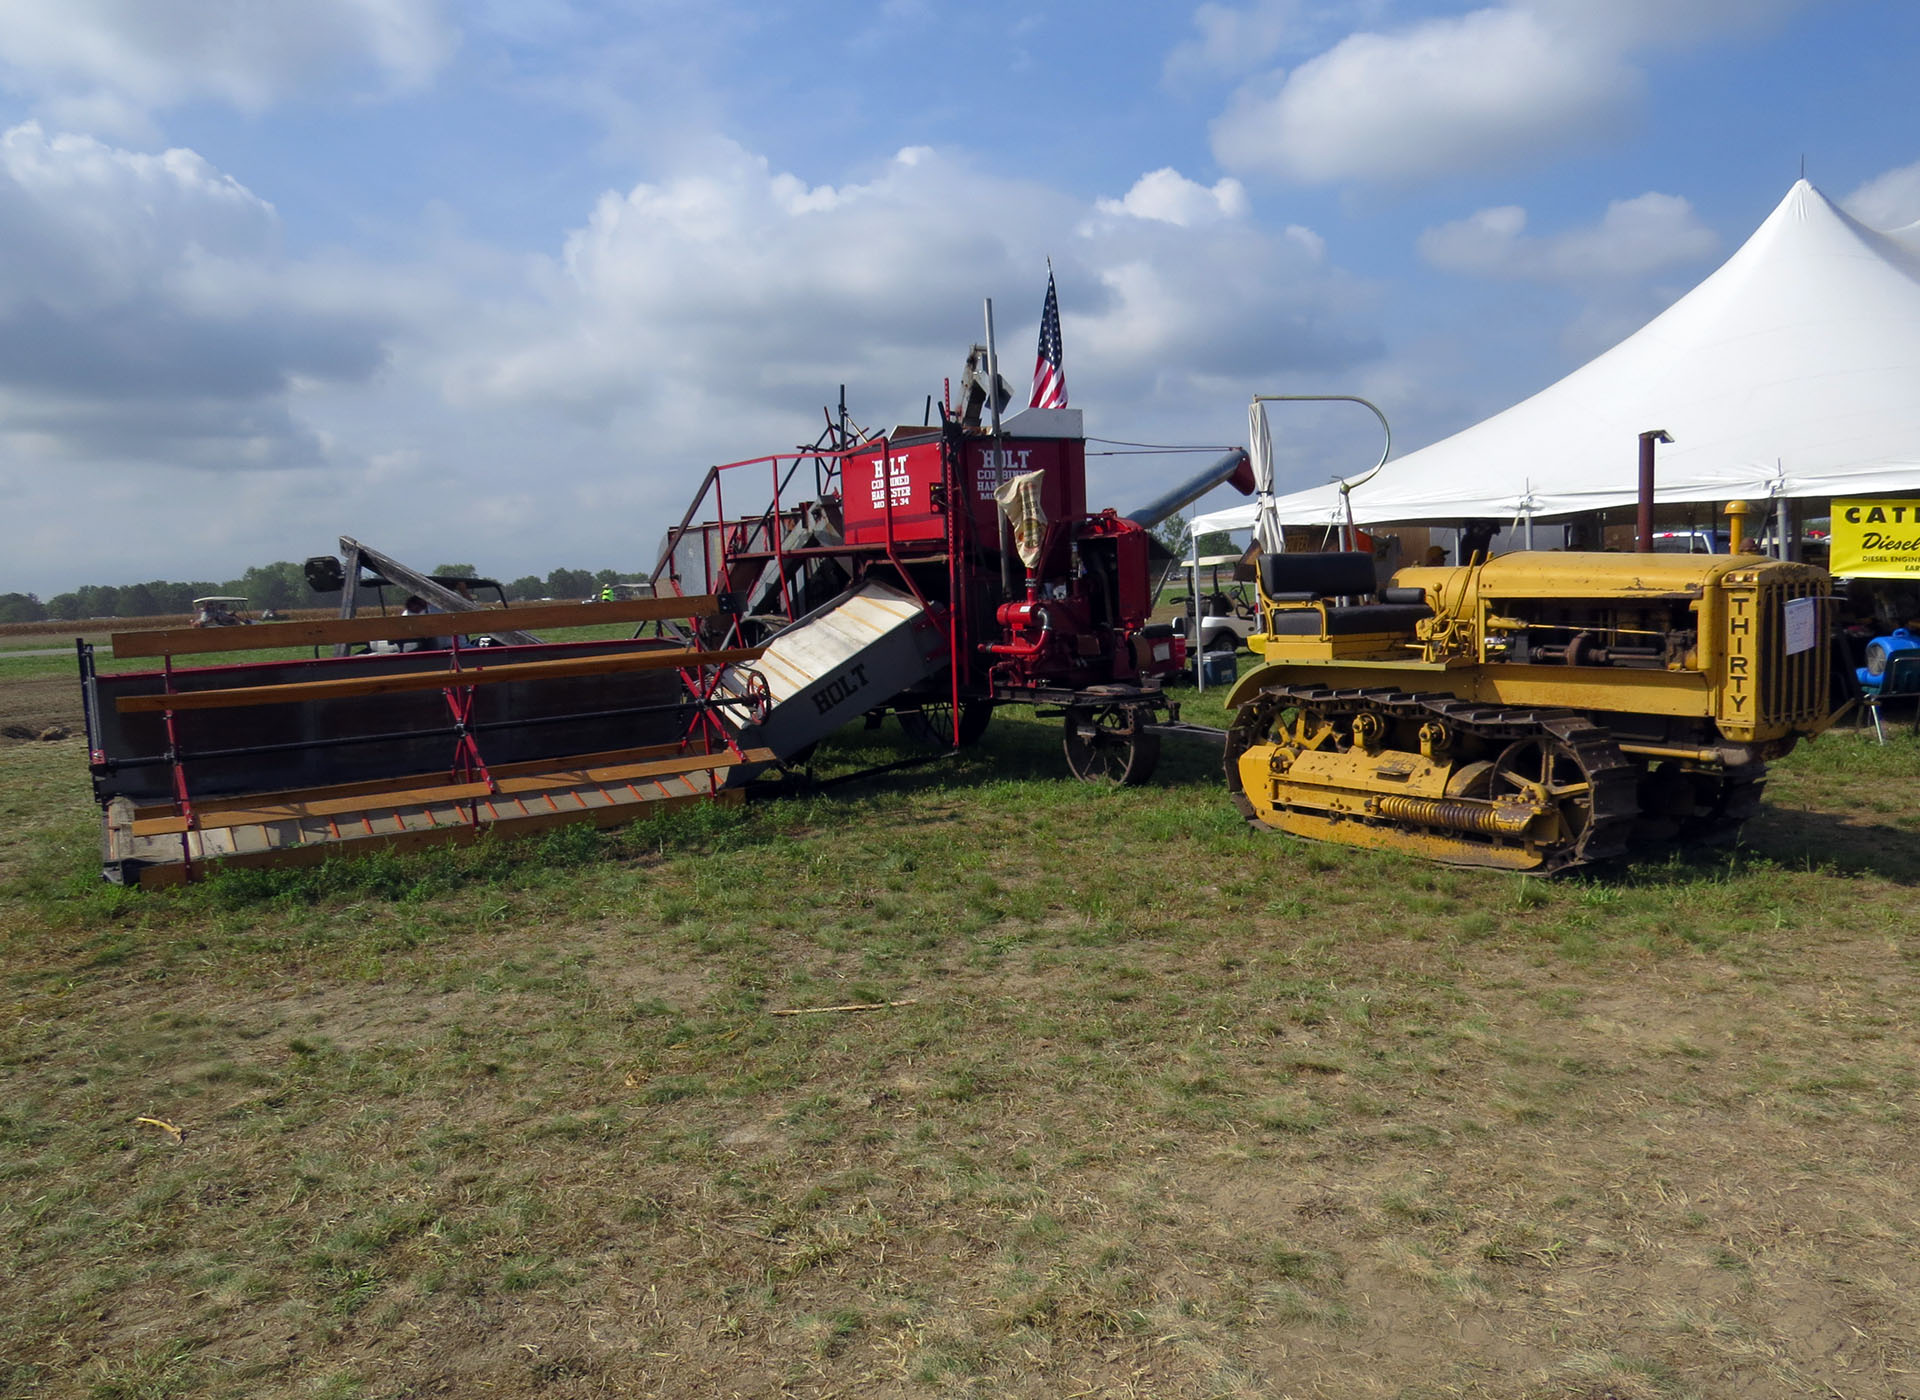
(221, 612)
(1539, 711)
(1691, 542)
(1228, 613)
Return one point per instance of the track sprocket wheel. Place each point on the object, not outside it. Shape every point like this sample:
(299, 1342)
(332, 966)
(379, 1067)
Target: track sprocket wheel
(1277, 720)
(1579, 776)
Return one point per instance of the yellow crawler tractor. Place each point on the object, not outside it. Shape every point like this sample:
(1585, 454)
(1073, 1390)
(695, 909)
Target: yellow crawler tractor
(1535, 712)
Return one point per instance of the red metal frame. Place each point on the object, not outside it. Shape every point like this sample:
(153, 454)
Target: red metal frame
(468, 762)
(749, 542)
(179, 772)
(735, 538)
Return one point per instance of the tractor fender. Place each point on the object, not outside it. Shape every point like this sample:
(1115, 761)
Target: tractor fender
(1250, 684)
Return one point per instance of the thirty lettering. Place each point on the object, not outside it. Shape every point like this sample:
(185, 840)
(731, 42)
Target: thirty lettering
(1739, 663)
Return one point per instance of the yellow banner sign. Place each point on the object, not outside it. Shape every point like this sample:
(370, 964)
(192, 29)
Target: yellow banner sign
(1876, 539)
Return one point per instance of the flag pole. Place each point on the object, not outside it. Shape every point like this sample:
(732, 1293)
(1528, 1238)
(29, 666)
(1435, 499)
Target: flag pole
(999, 459)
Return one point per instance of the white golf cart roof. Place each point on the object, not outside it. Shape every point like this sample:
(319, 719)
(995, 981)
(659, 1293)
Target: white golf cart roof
(1209, 560)
(202, 602)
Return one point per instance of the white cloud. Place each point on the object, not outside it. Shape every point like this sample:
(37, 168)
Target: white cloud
(716, 285)
(1231, 42)
(115, 59)
(1313, 243)
(146, 312)
(742, 291)
(1503, 85)
(1889, 200)
(1473, 93)
(574, 398)
(1635, 237)
(1172, 198)
(709, 316)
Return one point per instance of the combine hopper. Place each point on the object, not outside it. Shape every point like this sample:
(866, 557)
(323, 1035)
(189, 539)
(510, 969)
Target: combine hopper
(287, 762)
(867, 646)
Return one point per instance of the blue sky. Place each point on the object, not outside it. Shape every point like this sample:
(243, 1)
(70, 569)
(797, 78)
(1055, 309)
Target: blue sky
(496, 281)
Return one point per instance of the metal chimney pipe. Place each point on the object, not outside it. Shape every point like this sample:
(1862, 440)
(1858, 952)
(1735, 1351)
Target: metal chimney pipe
(1644, 544)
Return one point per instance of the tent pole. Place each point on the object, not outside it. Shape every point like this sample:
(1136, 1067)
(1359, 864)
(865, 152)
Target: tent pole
(1199, 653)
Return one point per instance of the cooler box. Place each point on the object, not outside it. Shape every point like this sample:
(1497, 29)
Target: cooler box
(1217, 668)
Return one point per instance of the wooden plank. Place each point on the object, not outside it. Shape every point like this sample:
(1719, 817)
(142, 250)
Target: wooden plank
(156, 875)
(620, 773)
(547, 780)
(290, 811)
(243, 696)
(279, 796)
(192, 641)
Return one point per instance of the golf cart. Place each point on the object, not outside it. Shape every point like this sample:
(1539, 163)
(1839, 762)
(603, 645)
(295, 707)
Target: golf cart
(221, 612)
(1228, 614)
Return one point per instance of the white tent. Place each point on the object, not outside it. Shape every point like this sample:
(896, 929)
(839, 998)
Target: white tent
(1794, 370)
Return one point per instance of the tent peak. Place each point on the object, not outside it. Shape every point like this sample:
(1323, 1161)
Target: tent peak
(1787, 371)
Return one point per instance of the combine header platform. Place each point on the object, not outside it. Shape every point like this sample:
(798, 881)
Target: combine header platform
(287, 762)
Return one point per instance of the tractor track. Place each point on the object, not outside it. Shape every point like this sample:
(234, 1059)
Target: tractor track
(1612, 780)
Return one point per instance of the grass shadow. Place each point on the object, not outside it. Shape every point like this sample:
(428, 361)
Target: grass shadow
(1014, 749)
(1807, 840)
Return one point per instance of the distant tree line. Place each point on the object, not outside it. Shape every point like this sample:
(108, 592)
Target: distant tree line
(279, 585)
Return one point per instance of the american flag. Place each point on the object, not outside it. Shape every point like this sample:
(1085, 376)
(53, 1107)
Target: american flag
(1049, 383)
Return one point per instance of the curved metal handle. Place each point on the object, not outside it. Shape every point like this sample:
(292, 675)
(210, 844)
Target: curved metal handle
(1368, 404)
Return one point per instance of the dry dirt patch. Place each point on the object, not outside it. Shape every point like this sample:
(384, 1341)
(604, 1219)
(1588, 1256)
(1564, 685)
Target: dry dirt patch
(1360, 1128)
(38, 704)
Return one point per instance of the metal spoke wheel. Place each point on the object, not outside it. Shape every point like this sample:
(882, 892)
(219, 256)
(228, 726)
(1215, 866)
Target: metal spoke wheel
(759, 698)
(1110, 743)
(932, 723)
(1543, 769)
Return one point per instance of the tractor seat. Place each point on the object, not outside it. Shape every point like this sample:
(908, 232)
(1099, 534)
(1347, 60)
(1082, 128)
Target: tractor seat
(1357, 620)
(1307, 579)
(1346, 573)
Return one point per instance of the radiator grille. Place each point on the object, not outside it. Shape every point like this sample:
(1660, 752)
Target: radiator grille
(1791, 691)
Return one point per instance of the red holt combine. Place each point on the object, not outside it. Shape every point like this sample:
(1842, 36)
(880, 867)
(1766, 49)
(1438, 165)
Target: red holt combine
(932, 572)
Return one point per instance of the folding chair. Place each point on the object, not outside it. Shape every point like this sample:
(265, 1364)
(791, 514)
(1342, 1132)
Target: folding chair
(1902, 682)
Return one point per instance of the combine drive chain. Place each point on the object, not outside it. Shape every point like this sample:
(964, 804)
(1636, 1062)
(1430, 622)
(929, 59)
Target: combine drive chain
(1611, 798)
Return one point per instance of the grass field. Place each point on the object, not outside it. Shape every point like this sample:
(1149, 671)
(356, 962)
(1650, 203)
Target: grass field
(1170, 1108)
